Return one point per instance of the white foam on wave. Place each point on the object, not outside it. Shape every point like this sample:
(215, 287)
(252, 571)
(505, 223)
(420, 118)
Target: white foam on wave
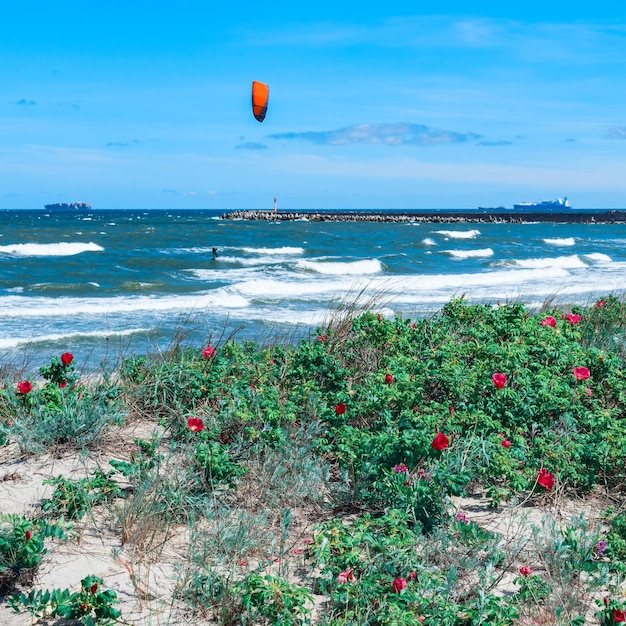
(49, 249)
(561, 241)
(14, 342)
(469, 254)
(566, 262)
(429, 241)
(598, 257)
(281, 251)
(417, 287)
(459, 234)
(342, 268)
(20, 306)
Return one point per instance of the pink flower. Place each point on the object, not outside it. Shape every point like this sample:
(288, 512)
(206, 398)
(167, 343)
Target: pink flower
(346, 577)
(195, 424)
(401, 468)
(388, 379)
(62, 384)
(461, 517)
(548, 321)
(572, 318)
(297, 551)
(321, 338)
(600, 304)
(341, 408)
(208, 353)
(619, 615)
(499, 380)
(67, 358)
(242, 562)
(398, 584)
(440, 442)
(24, 387)
(545, 478)
(581, 373)
(506, 443)
(588, 391)
(525, 570)
(412, 575)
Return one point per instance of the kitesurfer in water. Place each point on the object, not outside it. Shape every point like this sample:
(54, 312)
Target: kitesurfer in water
(215, 252)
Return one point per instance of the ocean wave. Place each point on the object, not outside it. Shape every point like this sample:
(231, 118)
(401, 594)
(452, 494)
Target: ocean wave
(21, 306)
(14, 342)
(561, 241)
(566, 262)
(342, 268)
(429, 241)
(469, 254)
(49, 249)
(598, 257)
(284, 250)
(459, 234)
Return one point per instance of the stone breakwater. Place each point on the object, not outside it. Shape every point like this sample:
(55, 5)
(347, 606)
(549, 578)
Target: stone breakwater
(439, 217)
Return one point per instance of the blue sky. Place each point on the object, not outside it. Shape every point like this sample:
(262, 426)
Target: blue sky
(394, 105)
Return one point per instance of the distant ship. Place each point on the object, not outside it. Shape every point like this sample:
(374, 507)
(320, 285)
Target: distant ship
(545, 205)
(67, 206)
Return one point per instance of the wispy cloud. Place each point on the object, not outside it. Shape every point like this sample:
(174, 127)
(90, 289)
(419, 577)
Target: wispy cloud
(251, 145)
(397, 134)
(123, 144)
(616, 132)
(495, 143)
(130, 143)
(26, 103)
(535, 41)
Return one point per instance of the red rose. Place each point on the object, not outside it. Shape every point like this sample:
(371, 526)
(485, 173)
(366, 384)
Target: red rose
(600, 304)
(525, 570)
(24, 387)
(93, 589)
(388, 379)
(341, 408)
(548, 321)
(619, 615)
(346, 577)
(195, 424)
(506, 443)
(440, 442)
(581, 373)
(208, 352)
(67, 358)
(545, 478)
(27, 535)
(499, 380)
(401, 468)
(398, 584)
(572, 318)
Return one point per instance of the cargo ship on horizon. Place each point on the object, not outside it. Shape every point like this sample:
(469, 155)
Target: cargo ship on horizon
(544, 205)
(67, 206)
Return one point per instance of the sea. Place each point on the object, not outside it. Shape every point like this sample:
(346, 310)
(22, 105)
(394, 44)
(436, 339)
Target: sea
(109, 284)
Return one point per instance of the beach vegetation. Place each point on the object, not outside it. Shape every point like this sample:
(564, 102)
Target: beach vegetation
(321, 482)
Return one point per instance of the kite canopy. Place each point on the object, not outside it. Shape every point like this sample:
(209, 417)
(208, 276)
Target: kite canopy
(260, 96)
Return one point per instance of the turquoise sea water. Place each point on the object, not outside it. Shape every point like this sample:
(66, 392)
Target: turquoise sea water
(106, 282)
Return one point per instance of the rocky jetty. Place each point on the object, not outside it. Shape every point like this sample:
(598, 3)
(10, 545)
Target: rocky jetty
(437, 217)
